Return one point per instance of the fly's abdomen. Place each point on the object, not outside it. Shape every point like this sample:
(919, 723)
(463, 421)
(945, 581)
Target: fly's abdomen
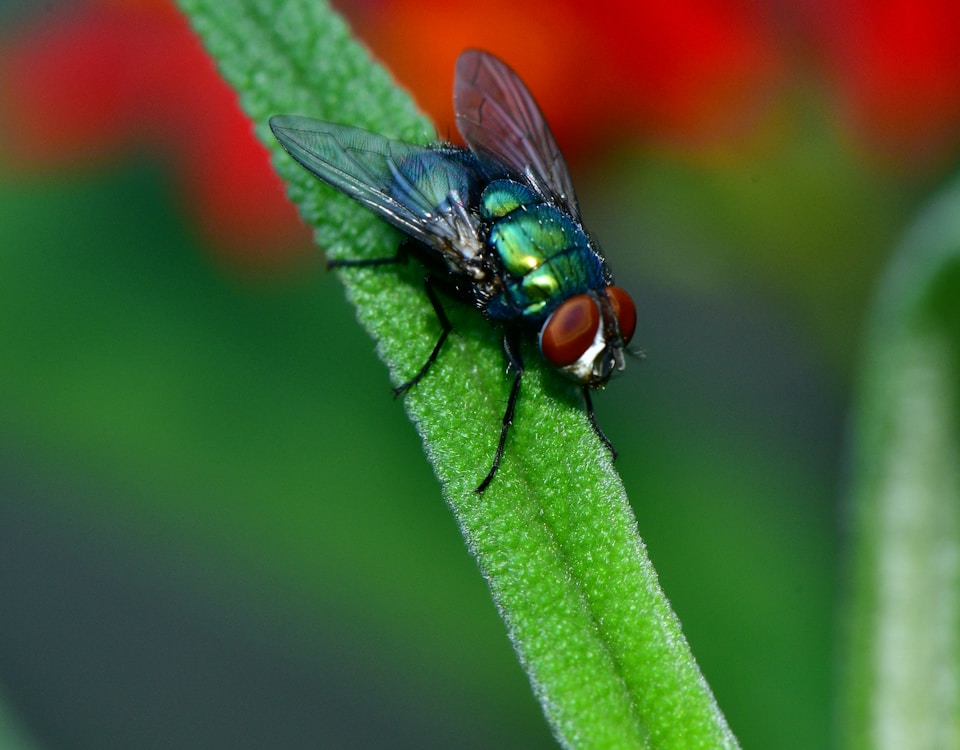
(435, 178)
(545, 255)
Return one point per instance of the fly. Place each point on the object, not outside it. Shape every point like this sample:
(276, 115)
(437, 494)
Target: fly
(496, 224)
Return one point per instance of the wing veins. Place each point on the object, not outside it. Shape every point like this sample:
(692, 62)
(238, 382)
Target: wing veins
(374, 175)
(499, 118)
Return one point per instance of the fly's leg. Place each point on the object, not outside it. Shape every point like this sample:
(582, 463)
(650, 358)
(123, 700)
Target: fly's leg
(445, 328)
(399, 257)
(593, 422)
(511, 348)
(403, 252)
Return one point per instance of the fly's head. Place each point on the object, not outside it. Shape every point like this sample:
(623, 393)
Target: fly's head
(585, 336)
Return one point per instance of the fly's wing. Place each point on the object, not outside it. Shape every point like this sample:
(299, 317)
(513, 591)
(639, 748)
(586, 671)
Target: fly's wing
(498, 118)
(422, 191)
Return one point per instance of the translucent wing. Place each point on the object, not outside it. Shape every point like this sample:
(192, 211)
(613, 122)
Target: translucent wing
(498, 118)
(422, 191)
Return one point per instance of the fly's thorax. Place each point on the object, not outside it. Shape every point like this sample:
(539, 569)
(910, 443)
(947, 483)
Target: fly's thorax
(585, 336)
(544, 256)
(502, 197)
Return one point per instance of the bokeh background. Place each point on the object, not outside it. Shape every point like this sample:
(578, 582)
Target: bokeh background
(216, 527)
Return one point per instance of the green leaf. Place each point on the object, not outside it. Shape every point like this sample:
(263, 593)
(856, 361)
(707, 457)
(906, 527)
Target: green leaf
(554, 535)
(13, 735)
(903, 678)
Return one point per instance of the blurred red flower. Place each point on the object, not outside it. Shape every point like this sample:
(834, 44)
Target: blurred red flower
(98, 80)
(895, 65)
(696, 73)
(686, 71)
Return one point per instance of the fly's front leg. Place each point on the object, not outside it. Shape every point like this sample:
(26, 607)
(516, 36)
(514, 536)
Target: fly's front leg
(511, 348)
(445, 328)
(593, 422)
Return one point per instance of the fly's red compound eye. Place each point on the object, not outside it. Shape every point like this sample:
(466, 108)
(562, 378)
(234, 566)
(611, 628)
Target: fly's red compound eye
(625, 311)
(570, 331)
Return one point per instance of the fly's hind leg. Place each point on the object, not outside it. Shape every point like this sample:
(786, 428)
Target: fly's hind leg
(400, 257)
(403, 252)
(445, 328)
(511, 348)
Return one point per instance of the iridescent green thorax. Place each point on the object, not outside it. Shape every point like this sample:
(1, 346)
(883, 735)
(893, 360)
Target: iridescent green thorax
(546, 255)
(502, 197)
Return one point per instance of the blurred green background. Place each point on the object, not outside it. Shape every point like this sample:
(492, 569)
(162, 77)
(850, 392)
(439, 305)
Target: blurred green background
(217, 529)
